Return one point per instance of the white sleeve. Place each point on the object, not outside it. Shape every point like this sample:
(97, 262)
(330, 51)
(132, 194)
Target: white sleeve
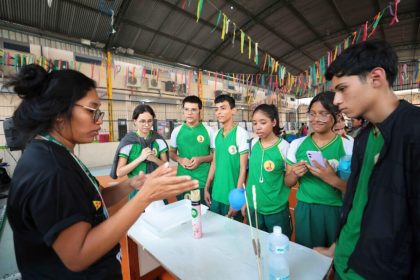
(162, 145)
(293, 147)
(284, 148)
(215, 136)
(348, 145)
(253, 142)
(211, 133)
(126, 150)
(242, 137)
(174, 135)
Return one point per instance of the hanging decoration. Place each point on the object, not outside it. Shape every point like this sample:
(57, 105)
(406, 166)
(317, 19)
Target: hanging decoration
(199, 9)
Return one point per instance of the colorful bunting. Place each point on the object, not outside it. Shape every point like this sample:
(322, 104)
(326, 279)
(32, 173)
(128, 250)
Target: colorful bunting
(199, 9)
(217, 21)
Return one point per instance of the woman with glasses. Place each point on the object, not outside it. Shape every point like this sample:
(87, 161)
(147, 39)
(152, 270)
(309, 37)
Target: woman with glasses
(320, 190)
(56, 208)
(143, 150)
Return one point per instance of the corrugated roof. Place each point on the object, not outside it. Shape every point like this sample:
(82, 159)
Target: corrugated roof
(295, 32)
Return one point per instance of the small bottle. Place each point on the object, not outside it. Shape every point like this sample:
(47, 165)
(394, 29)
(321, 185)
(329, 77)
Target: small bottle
(278, 265)
(196, 213)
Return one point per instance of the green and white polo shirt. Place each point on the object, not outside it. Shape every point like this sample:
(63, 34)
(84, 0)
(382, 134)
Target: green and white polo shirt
(312, 189)
(133, 151)
(229, 149)
(266, 172)
(191, 142)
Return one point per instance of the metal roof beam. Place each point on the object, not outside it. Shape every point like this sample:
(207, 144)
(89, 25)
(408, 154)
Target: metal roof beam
(401, 16)
(118, 19)
(174, 38)
(339, 14)
(194, 35)
(254, 18)
(376, 4)
(305, 22)
(159, 28)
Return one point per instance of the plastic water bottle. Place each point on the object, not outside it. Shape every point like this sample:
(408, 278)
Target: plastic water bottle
(278, 265)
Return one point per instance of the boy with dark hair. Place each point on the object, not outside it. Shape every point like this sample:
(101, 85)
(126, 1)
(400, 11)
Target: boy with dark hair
(228, 169)
(379, 229)
(191, 145)
(356, 126)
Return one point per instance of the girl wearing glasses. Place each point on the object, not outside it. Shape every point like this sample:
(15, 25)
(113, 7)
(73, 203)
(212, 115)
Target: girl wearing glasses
(320, 190)
(143, 150)
(56, 208)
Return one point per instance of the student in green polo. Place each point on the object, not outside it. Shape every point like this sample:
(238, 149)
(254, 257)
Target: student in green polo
(228, 169)
(144, 150)
(320, 190)
(191, 145)
(266, 171)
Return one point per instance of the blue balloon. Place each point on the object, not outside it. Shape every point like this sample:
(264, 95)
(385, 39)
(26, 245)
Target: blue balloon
(237, 198)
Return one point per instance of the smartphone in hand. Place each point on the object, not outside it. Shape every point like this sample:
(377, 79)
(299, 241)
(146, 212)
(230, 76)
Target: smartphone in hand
(316, 156)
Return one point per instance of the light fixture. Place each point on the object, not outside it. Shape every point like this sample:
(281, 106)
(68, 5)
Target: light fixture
(85, 42)
(98, 45)
(130, 51)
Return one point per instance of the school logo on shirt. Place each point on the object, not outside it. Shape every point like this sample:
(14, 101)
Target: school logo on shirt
(200, 138)
(232, 150)
(97, 204)
(269, 166)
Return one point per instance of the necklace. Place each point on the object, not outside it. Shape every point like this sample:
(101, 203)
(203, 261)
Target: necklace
(261, 180)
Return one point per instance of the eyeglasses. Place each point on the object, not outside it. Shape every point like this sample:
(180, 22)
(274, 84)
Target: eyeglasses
(143, 122)
(193, 110)
(97, 114)
(323, 116)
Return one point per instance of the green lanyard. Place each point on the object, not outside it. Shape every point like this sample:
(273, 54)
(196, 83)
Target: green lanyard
(83, 167)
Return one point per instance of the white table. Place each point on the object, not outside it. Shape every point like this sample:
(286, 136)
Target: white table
(224, 252)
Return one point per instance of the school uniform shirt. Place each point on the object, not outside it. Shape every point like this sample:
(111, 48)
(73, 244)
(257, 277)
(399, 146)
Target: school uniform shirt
(350, 233)
(191, 142)
(266, 172)
(133, 151)
(49, 193)
(311, 188)
(229, 149)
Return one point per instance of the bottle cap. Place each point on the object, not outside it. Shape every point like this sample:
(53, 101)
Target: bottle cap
(277, 230)
(195, 195)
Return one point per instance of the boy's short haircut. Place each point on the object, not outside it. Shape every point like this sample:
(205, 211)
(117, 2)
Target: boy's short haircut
(224, 97)
(361, 58)
(192, 99)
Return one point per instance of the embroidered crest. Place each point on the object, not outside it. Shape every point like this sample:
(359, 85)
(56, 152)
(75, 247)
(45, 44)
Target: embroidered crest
(232, 149)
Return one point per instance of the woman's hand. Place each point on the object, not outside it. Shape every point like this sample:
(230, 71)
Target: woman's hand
(326, 174)
(194, 163)
(145, 153)
(137, 181)
(184, 162)
(299, 169)
(163, 183)
(207, 197)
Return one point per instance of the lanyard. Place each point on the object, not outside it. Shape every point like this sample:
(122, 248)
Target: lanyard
(83, 167)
